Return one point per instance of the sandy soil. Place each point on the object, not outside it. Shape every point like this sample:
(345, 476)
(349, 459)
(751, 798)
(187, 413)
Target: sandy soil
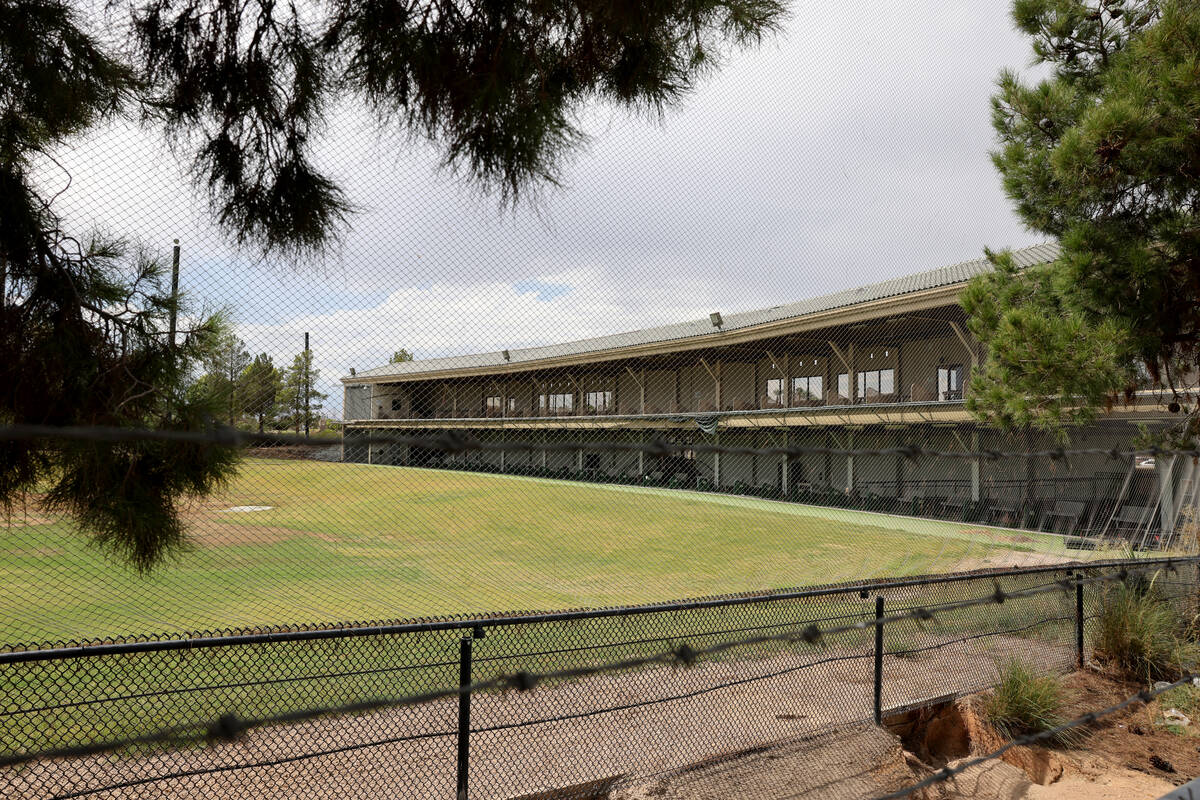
(1117, 760)
(1000, 781)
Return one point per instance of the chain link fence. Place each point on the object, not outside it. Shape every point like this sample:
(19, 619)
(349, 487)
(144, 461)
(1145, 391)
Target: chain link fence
(611, 731)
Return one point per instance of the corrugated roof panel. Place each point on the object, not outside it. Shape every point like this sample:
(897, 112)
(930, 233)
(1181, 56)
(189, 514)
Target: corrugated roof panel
(921, 281)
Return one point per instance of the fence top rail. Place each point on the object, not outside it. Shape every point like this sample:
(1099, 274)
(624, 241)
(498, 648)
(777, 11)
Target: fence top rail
(184, 643)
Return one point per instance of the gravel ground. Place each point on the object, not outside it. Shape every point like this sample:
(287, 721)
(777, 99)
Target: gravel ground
(410, 752)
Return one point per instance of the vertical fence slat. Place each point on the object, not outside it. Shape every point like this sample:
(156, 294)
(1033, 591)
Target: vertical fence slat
(464, 716)
(878, 661)
(1079, 622)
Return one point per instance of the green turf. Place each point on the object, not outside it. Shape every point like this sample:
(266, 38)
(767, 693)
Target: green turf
(357, 542)
(350, 542)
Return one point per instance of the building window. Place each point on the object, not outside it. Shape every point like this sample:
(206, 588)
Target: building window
(808, 389)
(491, 405)
(874, 383)
(950, 382)
(776, 393)
(598, 402)
(844, 387)
(512, 405)
(560, 403)
(397, 404)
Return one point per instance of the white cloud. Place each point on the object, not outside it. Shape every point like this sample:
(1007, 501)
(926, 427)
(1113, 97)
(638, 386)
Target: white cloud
(453, 319)
(849, 149)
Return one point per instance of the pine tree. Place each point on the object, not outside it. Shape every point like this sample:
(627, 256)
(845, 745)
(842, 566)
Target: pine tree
(1104, 156)
(241, 88)
(261, 386)
(300, 394)
(226, 364)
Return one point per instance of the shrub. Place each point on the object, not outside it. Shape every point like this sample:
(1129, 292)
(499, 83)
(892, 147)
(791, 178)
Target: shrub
(1141, 634)
(1028, 701)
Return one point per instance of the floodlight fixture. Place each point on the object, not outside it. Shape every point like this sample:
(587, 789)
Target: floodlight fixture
(715, 319)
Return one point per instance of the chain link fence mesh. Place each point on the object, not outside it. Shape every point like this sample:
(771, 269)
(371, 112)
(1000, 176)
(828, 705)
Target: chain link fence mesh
(723, 280)
(616, 731)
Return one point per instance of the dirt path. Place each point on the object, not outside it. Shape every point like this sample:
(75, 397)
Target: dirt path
(665, 719)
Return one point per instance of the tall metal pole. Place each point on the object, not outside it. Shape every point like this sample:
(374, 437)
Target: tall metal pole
(174, 291)
(306, 382)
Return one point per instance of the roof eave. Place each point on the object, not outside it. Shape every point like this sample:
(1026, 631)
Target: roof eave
(858, 312)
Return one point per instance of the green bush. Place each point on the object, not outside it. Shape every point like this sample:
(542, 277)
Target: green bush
(1142, 635)
(1028, 701)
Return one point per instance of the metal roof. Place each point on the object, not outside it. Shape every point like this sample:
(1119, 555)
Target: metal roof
(908, 284)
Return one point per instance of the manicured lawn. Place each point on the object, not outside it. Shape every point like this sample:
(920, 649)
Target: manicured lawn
(343, 543)
(350, 542)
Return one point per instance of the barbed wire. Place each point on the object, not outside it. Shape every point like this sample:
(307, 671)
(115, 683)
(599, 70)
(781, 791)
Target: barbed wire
(455, 442)
(230, 726)
(946, 773)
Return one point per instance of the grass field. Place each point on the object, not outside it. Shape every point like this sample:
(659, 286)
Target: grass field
(350, 542)
(356, 542)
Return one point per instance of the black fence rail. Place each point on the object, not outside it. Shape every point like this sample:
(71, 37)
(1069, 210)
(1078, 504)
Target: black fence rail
(614, 726)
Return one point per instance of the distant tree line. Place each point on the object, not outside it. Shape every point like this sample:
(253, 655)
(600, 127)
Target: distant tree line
(253, 392)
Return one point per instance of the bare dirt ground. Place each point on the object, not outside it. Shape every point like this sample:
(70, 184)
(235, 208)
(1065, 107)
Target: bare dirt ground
(636, 725)
(1124, 757)
(1009, 558)
(1129, 755)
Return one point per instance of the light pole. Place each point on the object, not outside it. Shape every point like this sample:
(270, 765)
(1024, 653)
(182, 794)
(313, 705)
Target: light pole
(174, 291)
(307, 357)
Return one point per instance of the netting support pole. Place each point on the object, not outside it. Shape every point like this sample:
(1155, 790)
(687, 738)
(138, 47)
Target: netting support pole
(1079, 624)
(464, 716)
(878, 661)
(174, 291)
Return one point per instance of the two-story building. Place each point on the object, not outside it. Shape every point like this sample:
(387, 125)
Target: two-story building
(880, 366)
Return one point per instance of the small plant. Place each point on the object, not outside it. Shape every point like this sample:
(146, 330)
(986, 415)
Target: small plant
(1028, 701)
(1141, 634)
(1186, 700)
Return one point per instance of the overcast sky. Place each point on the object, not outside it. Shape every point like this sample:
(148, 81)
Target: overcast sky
(849, 149)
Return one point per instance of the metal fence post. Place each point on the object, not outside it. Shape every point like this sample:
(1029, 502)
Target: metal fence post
(878, 661)
(464, 716)
(1079, 621)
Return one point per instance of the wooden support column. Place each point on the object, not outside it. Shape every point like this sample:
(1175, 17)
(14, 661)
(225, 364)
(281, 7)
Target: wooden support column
(781, 370)
(850, 378)
(849, 463)
(783, 475)
(717, 460)
(641, 456)
(535, 407)
(847, 361)
(641, 384)
(719, 393)
(1165, 471)
(966, 342)
(976, 468)
(578, 410)
(715, 374)
(1030, 470)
